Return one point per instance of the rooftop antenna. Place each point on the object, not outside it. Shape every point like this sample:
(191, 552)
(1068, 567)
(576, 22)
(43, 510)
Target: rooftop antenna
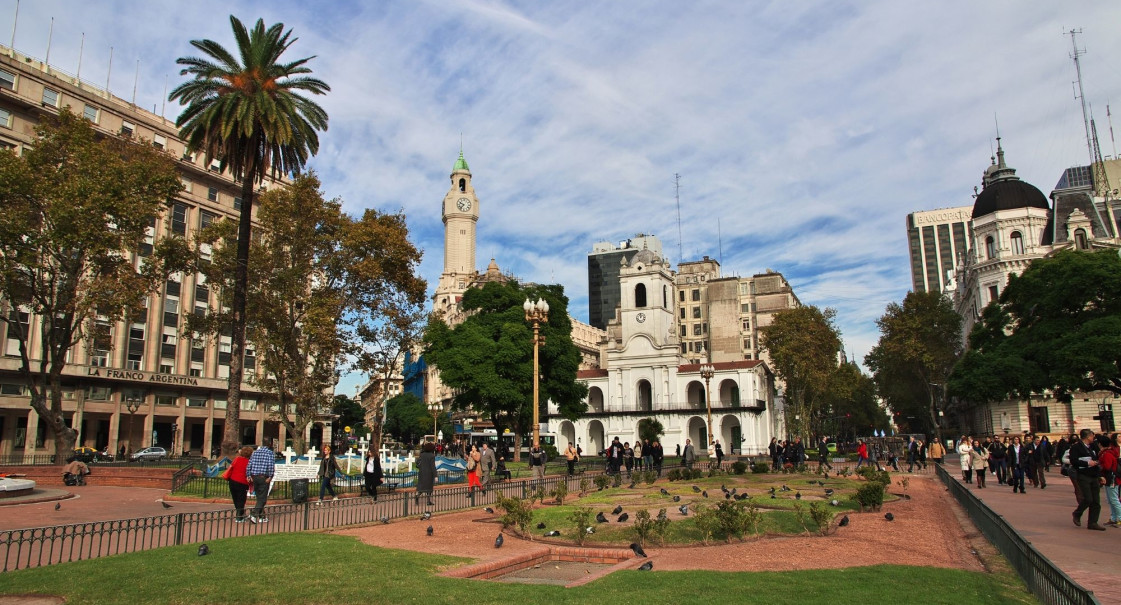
(163, 107)
(719, 241)
(109, 72)
(81, 47)
(50, 36)
(1112, 141)
(677, 196)
(1075, 54)
(15, 20)
(136, 79)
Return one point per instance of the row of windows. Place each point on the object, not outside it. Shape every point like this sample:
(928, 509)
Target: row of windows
(1016, 243)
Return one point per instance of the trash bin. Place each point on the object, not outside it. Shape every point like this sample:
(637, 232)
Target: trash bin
(299, 489)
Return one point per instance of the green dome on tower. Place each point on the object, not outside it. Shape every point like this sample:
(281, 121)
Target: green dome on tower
(461, 164)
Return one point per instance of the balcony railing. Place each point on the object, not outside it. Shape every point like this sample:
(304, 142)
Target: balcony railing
(752, 405)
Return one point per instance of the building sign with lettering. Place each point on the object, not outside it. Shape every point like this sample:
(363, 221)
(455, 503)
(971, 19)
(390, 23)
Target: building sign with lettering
(139, 376)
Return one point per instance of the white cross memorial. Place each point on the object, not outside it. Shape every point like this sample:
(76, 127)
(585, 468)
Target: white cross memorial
(289, 454)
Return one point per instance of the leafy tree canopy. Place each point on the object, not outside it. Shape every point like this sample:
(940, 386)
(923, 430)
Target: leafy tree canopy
(649, 429)
(488, 358)
(1056, 327)
(407, 418)
(920, 341)
(803, 344)
(75, 208)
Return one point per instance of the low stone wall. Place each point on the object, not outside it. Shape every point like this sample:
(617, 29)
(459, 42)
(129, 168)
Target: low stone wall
(113, 476)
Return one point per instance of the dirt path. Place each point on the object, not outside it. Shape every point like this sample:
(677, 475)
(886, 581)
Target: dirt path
(925, 532)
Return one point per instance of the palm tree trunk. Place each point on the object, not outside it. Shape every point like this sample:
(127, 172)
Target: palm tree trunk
(231, 434)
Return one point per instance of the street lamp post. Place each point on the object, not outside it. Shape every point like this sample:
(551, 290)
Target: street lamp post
(174, 436)
(435, 408)
(707, 372)
(132, 404)
(537, 313)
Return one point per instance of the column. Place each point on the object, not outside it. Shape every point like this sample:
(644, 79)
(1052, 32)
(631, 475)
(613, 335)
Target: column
(148, 422)
(208, 433)
(76, 424)
(114, 431)
(180, 437)
(32, 432)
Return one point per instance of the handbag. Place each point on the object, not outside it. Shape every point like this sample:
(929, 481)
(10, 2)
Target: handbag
(1065, 469)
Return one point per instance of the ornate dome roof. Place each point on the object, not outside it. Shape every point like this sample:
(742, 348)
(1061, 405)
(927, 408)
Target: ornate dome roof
(1005, 191)
(645, 256)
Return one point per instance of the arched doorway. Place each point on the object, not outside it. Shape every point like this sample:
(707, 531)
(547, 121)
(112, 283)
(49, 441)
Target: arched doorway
(729, 393)
(315, 438)
(595, 399)
(698, 432)
(568, 434)
(695, 395)
(730, 434)
(595, 438)
(645, 395)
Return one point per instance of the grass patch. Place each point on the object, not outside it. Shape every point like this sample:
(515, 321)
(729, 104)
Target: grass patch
(324, 568)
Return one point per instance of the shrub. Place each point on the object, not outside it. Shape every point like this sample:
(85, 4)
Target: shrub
(661, 524)
(602, 481)
(760, 468)
(870, 495)
(871, 473)
(754, 517)
(674, 474)
(643, 526)
(585, 485)
(516, 512)
(650, 477)
(739, 467)
(704, 517)
(845, 472)
(581, 518)
(617, 480)
(560, 491)
(713, 472)
(731, 519)
(537, 494)
(550, 451)
(821, 516)
(800, 514)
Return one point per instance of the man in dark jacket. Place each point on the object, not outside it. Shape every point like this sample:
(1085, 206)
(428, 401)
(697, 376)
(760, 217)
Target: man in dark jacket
(823, 455)
(912, 454)
(1084, 462)
(657, 454)
(996, 455)
(1039, 463)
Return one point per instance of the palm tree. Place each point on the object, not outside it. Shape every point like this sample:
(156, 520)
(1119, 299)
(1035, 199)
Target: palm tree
(251, 117)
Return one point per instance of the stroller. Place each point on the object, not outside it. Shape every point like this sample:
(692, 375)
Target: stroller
(70, 479)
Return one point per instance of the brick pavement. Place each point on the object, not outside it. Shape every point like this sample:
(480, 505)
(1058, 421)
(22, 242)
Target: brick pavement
(97, 503)
(1043, 517)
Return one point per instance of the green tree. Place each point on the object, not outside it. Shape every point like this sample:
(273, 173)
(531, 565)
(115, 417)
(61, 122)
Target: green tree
(251, 117)
(649, 429)
(1056, 327)
(407, 418)
(920, 341)
(488, 358)
(349, 412)
(850, 403)
(803, 344)
(76, 206)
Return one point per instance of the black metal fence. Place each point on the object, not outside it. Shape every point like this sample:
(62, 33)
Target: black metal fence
(1046, 581)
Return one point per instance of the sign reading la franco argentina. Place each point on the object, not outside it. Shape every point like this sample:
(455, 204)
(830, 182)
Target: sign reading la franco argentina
(138, 376)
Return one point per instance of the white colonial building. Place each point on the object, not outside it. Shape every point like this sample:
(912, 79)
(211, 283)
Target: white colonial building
(641, 375)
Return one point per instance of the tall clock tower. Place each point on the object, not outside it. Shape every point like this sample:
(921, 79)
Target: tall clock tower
(460, 212)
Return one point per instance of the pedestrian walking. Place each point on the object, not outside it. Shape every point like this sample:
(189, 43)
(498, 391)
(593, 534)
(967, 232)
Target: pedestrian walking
(1017, 464)
(1111, 473)
(487, 464)
(327, 469)
(260, 471)
(823, 455)
(937, 451)
(979, 461)
(689, 455)
(537, 460)
(239, 482)
(1084, 462)
(571, 457)
(964, 447)
(426, 473)
(371, 472)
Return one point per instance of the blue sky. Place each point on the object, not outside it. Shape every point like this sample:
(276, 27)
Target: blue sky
(810, 129)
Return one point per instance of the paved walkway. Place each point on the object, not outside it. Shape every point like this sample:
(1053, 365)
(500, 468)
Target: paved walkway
(1043, 517)
(96, 503)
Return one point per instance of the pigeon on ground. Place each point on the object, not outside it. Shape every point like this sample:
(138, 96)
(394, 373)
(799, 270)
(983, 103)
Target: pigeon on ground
(498, 541)
(204, 550)
(785, 489)
(552, 534)
(889, 517)
(428, 530)
(489, 510)
(677, 498)
(774, 497)
(385, 520)
(723, 488)
(828, 492)
(618, 509)
(826, 475)
(623, 517)
(740, 496)
(704, 494)
(834, 503)
(58, 506)
(727, 495)
(165, 504)
(696, 490)
(601, 518)
(589, 530)
(797, 495)
(683, 509)
(772, 490)
(664, 492)
(426, 516)
(844, 521)
(647, 566)
(540, 526)
(637, 549)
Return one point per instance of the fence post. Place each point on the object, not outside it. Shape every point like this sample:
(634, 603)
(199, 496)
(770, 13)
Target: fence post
(307, 512)
(206, 487)
(178, 529)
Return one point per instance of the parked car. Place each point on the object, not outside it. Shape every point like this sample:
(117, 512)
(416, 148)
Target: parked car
(149, 453)
(86, 454)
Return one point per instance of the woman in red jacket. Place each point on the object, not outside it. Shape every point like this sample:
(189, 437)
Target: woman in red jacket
(1109, 462)
(239, 483)
(861, 453)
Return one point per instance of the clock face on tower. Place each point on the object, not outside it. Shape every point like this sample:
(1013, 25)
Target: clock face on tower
(641, 317)
(464, 204)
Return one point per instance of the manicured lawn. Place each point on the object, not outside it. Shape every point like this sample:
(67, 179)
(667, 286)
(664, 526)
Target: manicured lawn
(324, 568)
